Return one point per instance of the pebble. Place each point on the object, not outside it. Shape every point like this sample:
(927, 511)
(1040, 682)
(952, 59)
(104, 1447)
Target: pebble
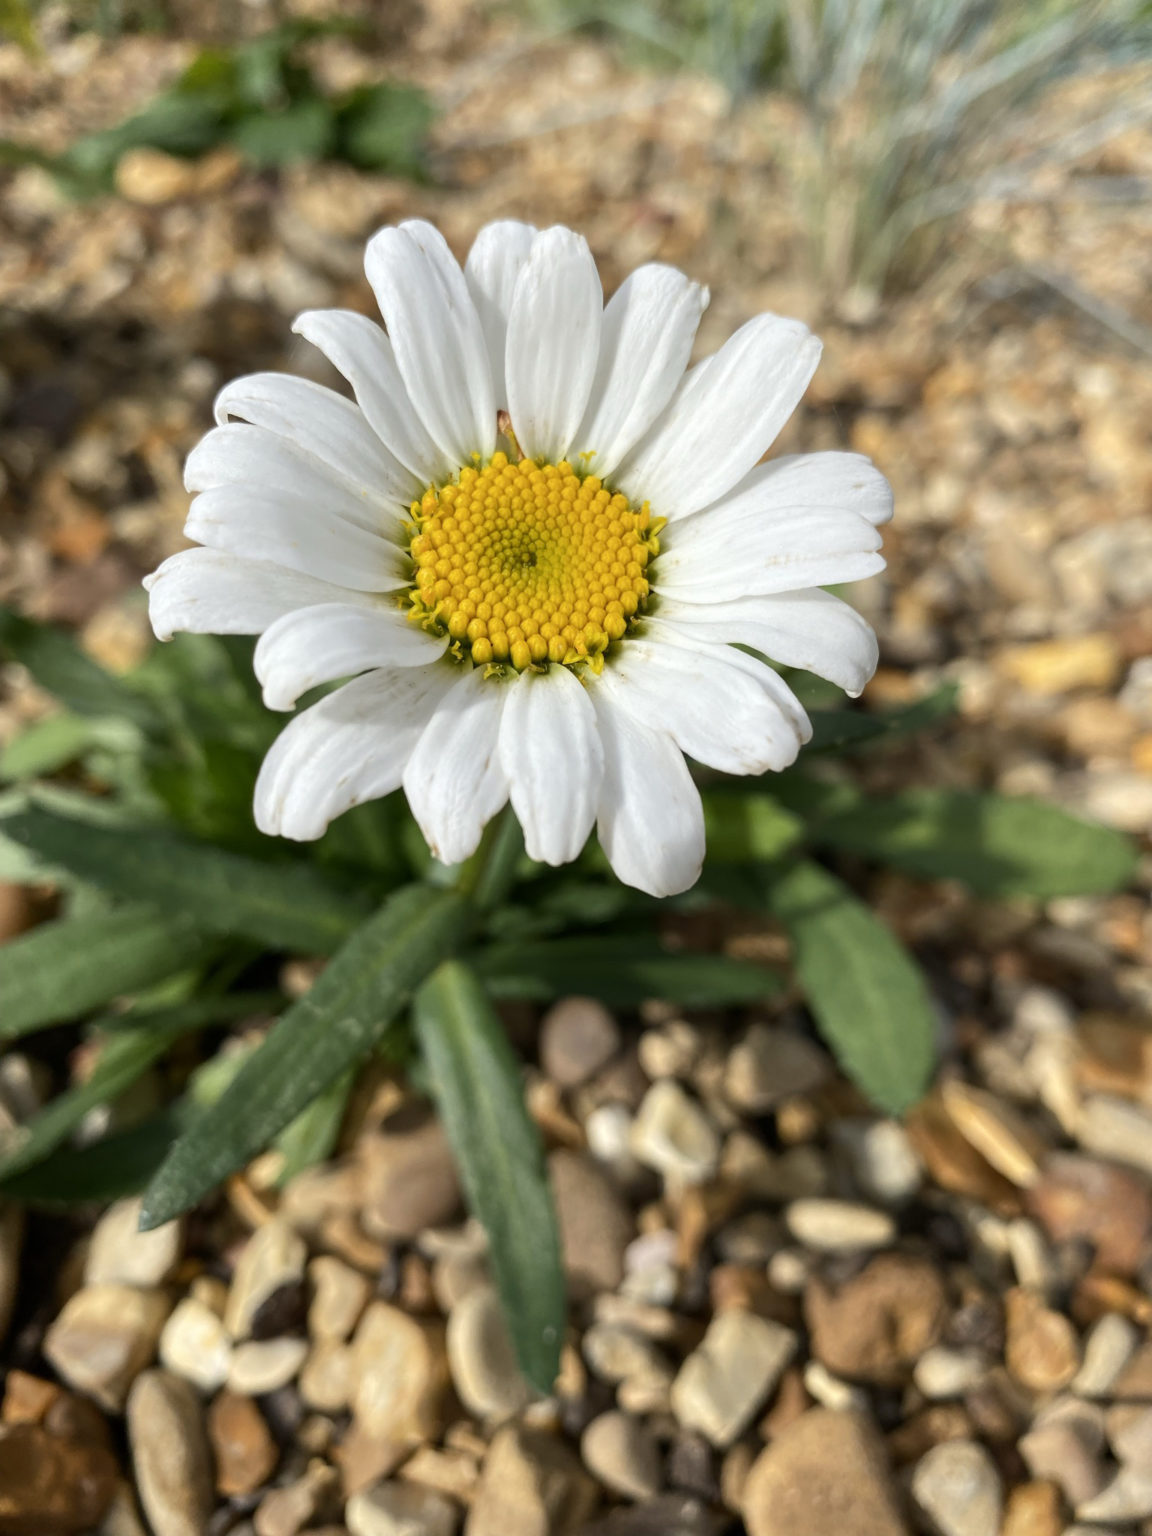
(578, 1037)
(769, 1065)
(616, 1353)
(1000, 1135)
(1110, 1345)
(1129, 1429)
(11, 1242)
(958, 1489)
(1082, 1199)
(401, 1509)
(170, 1454)
(410, 1180)
(482, 1360)
(839, 1226)
(55, 1484)
(266, 1365)
(829, 1391)
(1114, 1128)
(673, 1134)
(596, 1224)
(286, 1511)
(876, 1325)
(825, 1475)
(1042, 1348)
(1052, 667)
(1064, 1451)
(273, 1257)
(881, 1160)
(401, 1376)
(195, 1345)
(1034, 1509)
(328, 1377)
(339, 1296)
(243, 1447)
(104, 1337)
(1127, 1497)
(531, 1484)
(942, 1373)
(730, 1374)
(120, 1254)
(621, 1453)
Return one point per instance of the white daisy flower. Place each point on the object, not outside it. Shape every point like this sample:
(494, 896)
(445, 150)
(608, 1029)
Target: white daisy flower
(534, 543)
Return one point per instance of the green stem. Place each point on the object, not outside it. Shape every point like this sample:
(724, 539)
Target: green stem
(487, 877)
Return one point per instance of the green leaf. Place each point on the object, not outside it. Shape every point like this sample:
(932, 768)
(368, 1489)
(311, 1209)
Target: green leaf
(62, 669)
(385, 128)
(622, 971)
(303, 130)
(285, 905)
(477, 1083)
(109, 1169)
(743, 828)
(998, 846)
(332, 1028)
(65, 969)
(864, 989)
(52, 744)
(313, 1135)
(846, 729)
(139, 1040)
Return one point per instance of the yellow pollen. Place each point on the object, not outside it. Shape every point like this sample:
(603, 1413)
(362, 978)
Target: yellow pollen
(523, 564)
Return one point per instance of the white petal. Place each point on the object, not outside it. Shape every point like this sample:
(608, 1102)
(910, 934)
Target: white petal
(437, 337)
(319, 645)
(650, 820)
(291, 530)
(749, 546)
(846, 482)
(723, 417)
(208, 592)
(322, 423)
(648, 329)
(241, 455)
(811, 629)
(359, 349)
(498, 252)
(553, 342)
(349, 748)
(715, 708)
(551, 753)
(455, 781)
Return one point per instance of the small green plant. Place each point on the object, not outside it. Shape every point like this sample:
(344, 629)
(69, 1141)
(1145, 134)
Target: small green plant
(134, 803)
(261, 98)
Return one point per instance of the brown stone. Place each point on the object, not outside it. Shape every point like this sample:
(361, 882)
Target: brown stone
(596, 1224)
(1134, 1383)
(578, 1037)
(400, 1375)
(170, 1454)
(51, 1486)
(876, 1326)
(245, 1452)
(954, 1162)
(826, 1475)
(1084, 1198)
(27, 1398)
(531, 1484)
(1115, 1056)
(410, 1180)
(1033, 1509)
(1042, 1349)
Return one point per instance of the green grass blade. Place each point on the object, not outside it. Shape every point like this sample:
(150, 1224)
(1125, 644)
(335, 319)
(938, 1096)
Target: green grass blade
(65, 969)
(864, 989)
(286, 905)
(743, 827)
(62, 669)
(332, 1028)
(109, 1169)
(477, 1084)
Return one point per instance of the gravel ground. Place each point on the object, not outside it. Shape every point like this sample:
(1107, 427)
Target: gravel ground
(787, 1312)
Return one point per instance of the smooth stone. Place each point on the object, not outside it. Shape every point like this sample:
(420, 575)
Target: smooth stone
(274, 1256)
(621, 1452)
(401, 1376)
(1042, 1348)
(11, 1242)
(245, 1452)
(410, 1179)
(265, 1365)
(1110, 1345)
(104, 1337)
(170, 1454)
(1127, 1497)
(1000, 1135)
(1034, 1509)
(670, 1514)
(771, 1064)
(339, 1296)
(957, 1487)
(730, 1374)
(1114, 1128)
(596, 1224)
(674, 1135)
(328, 1377)
(881, 1160)
(195, 1345)
(1129, 1430)
(482, 1360)
(1085, 1199)
(401, 1509)
(53, 1484)
(578, 1037)
(286, 1511)
(942, 1373)
(1064, 1452)
(617, 1353)
(826, 1474)
(839, 1226)
(530, 1485)
(120, 1254)
(876, 1325)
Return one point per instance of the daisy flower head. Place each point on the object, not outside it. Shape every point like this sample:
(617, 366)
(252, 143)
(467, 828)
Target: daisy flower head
(534, 543)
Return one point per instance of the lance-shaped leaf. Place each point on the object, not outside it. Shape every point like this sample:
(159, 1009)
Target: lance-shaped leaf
(62, 669)
(864, 989)
(476, 1080)
(347, 1014)
(64, 969)
(748, 827)
(288, 905)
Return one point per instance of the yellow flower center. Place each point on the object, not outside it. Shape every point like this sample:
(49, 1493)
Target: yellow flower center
(526, 563)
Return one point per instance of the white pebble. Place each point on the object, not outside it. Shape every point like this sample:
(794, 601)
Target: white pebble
(196, 1346)
(839, 1226)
